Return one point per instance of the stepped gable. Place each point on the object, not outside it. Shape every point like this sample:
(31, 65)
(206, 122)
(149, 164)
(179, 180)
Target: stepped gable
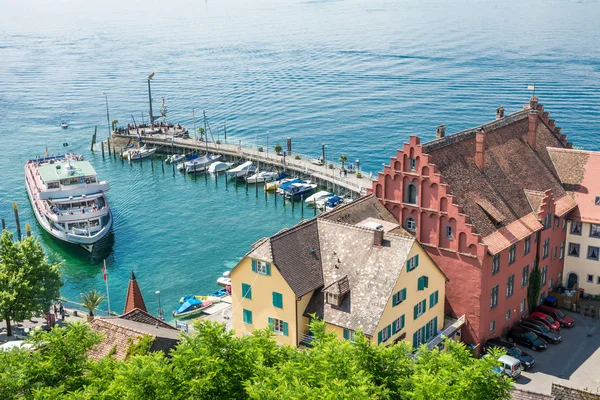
(134, 296)
(513, 159)
(296, 253)
(579, 171)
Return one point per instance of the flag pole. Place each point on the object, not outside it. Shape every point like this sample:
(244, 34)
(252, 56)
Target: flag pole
(106, 281)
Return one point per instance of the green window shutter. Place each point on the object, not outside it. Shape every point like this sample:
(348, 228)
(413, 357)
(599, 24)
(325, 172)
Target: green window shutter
(248, 317)
(394, 328)
(402, 322)
(285, 329)
(437, 298)
(421, 283)
(427, 332)
(268, 269)
(423, 335)
(435, 325)
(431, 300)
(416, 311)
(424, 306)
(408, 265)
(416, 260)
(379, 337)
(246, 291)
(271, 326)
(403, 294)
(253, 265)
(389, 330)
(277, 300)
(415, 340)
(394, 299)
(426, 281)
(346, 334)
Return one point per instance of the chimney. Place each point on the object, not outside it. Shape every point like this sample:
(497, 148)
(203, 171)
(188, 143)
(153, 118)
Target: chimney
(499, 112)
(533, 102)
(440, 132)
(378, 237)
(533, 119)
(480, 149)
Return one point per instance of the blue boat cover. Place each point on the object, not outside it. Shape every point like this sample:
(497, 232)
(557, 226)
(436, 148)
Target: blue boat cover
(188, 305)
(333, 200)
(285, 185)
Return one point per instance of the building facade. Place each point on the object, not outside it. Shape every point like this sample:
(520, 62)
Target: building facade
(355, 268)
(579, 170)
(487, 206)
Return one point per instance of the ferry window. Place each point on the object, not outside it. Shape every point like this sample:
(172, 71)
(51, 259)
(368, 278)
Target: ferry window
(53, 185)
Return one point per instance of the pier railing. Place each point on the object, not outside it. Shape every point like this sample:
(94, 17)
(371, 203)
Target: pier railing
(335, 175)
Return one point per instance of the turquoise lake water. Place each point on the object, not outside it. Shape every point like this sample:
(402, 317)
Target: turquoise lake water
(359, 76)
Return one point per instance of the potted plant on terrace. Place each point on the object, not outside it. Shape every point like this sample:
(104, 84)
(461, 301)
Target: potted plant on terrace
(91, 301)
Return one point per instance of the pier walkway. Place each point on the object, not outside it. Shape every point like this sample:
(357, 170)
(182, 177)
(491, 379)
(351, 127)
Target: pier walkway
(328, 177)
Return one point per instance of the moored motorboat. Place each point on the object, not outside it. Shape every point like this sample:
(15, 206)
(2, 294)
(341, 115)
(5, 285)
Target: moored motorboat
(174, 158)
(332, 202)
(262, 176)
(214, 299)
(242, 170)
(317, 161)
(299, 189)
(219, 166)
(191, 307)
(141, 153)
(200, 164)
(68, 200)
(64, 124)
(225, 279)
(312, 199)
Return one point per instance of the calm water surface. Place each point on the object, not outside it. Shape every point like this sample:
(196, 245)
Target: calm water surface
(357, 75)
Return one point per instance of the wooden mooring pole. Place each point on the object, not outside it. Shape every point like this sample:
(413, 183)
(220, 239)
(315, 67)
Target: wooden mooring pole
(27, 230)
(152, 163)
(94, 138)
(102, 146)
(3, 224)
(114, 153)
(162, 165)
(108, 145)
(16, 209)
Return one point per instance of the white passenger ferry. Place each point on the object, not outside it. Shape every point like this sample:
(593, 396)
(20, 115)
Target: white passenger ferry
(68, 200)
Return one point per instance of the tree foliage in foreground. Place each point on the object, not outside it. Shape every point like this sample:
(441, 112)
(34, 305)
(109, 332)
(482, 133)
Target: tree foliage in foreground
(213, 364)
(28, 282)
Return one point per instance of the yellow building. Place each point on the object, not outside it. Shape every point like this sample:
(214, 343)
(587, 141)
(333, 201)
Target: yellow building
(579, 171)
(353, 267)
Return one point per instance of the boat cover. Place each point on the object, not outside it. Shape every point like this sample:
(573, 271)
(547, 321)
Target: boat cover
(189, 303)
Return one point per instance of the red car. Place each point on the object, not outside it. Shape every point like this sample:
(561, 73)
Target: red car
(545, 319)
(558, 315)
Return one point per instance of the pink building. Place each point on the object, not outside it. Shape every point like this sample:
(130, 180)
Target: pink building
(488, 205)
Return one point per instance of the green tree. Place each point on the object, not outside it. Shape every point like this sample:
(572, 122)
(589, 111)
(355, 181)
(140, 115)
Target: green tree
(91, 300)
(28, 282)
(535, 285)
(277, 148)
(201, 132)
(343, 160)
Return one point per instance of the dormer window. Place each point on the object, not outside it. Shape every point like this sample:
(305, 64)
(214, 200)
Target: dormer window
(332, 299)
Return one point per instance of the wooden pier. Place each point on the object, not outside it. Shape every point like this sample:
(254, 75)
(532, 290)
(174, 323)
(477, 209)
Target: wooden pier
(330, 178)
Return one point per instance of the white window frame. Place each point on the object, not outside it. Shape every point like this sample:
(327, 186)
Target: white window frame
(522, 309)
(261, 267)
(331, 298)
(492, 326)
(449, 232)
(432, 329)
(397, 323)
(525, 276)
(576, 224)
(597, 253)
(596, 229)
(494, 297)
(510, 286)
(278, 326)
(576, 246)
(512, 254)
(546, 248)
(412, 164)
(419, 337)
(384, 335)
(527, 245)
(562, 250)
(410, 224)
(544, 274)
(495, 264)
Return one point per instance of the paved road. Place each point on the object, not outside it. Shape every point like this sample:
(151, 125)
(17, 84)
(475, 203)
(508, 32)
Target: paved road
(575, 362)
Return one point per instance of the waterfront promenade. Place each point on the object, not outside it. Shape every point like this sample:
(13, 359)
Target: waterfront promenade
(331, 178)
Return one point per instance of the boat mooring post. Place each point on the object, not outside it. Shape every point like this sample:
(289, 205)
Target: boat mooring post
(315, 207)
(152, 163)
(3, 224)
(256, 187)
(293, 202)
(114, 153)
(302, 205)
(162, 165)
(275, 194)
(102, 143)
(16, 209)
(206, 174)
(173, 169)
(226, 183)
(94, 138)
(27, 230)
(265, 191)
(108, 145)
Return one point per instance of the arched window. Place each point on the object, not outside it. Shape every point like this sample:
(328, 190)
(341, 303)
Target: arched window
(411, 193)
(410, 224)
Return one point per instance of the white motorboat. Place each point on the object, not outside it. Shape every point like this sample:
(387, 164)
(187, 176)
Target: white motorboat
(68, 200)
(199, 164)
(219, 166)
(174, 158)
(298, 189)
(262, 176)
(138, 154)
(242, 170)
(225, 279)
(318, 196)
(317, 161)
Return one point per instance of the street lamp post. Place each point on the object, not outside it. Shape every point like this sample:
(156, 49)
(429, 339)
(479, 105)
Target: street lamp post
(160, 311)
(107, 117)
(150, 100)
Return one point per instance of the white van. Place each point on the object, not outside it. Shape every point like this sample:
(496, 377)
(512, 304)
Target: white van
(511, 366)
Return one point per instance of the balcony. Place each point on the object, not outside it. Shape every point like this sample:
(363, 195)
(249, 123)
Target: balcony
(306, 340)
(448, 331)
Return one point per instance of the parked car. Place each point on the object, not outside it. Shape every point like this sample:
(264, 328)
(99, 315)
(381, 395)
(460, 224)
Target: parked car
(558, 315)
(511, 367)
(545, 319)
(541, 330)
(512, 350)
(525, 337)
